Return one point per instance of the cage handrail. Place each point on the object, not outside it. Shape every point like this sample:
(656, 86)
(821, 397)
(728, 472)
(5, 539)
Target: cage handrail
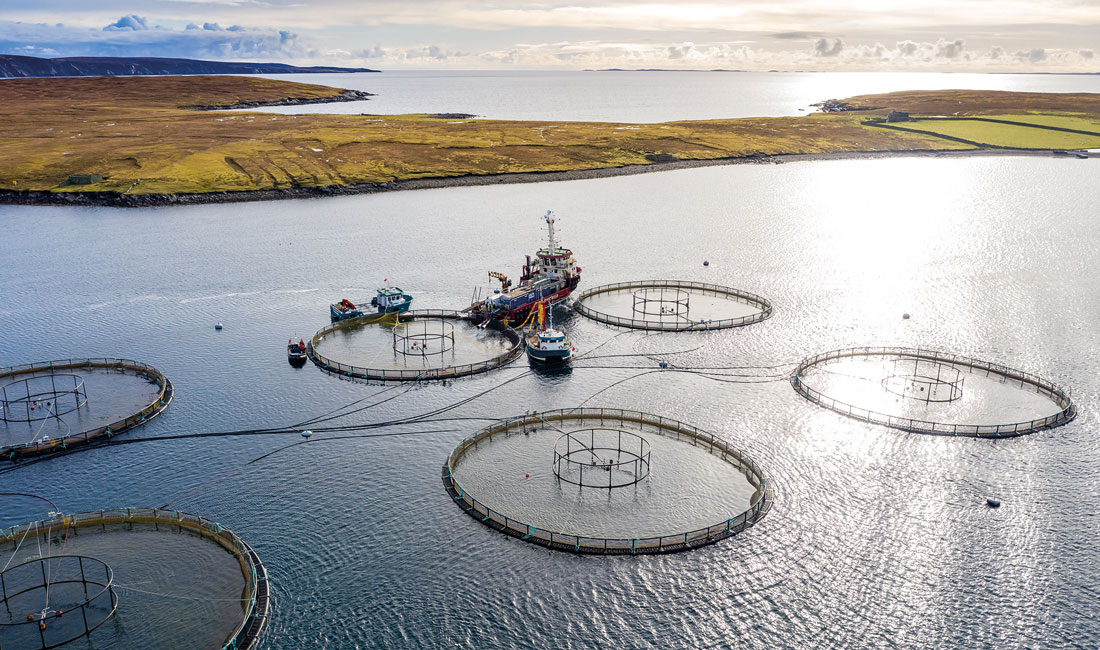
(246, 633)
(400, 374)
(150, 410)
(1043, 386)
(758, 504)
(764, 305)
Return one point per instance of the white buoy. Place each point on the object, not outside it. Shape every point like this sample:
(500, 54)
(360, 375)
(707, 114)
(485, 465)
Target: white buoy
(307, 433)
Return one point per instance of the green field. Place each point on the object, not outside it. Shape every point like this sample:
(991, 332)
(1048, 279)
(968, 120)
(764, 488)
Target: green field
(1010, 135)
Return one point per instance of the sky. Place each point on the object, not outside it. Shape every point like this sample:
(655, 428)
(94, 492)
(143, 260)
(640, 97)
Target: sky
(918, 35)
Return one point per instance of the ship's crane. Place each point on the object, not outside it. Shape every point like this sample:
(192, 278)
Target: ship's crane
(505, 283)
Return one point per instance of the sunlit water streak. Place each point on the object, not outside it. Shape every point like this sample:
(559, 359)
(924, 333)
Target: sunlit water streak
(641, 97)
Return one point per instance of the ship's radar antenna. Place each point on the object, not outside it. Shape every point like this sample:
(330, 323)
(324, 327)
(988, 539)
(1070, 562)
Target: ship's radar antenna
(550, 224)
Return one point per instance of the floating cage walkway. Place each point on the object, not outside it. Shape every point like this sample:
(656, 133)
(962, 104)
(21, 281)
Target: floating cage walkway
(598, 417)
(1026, 380)
(400, 374)
(147, 412)
(650, 291)
(256, 595)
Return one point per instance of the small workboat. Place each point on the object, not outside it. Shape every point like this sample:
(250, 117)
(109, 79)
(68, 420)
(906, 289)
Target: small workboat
(388, 300)
(296, 352)
(546, 345)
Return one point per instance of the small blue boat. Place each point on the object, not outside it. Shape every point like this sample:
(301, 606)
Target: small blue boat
(388, 300)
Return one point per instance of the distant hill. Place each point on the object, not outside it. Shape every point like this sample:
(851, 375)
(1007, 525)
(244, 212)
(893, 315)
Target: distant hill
(12, 65)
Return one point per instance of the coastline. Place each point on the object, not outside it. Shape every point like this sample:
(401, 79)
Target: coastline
(121, 200)
(344, 96)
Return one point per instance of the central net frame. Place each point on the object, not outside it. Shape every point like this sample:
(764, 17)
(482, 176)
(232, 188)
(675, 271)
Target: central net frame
(923, 380)
(585, 466)
(17, 396)
(670, 302)
(423, 342)
(47, 627)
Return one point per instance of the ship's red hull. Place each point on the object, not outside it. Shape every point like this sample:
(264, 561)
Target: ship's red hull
(519, 314)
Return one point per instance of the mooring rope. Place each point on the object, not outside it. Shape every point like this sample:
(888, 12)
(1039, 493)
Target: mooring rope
(194, 598)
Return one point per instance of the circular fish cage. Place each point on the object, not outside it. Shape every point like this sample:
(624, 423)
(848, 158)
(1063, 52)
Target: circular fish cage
(85, 593)
(921, 391)
(600, 495)
(59, 404)
(190, 581)
(672, 306)
(601, 458)
(413, 346)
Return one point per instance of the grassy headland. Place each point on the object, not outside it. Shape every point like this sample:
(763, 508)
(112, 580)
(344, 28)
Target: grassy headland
(139, 134)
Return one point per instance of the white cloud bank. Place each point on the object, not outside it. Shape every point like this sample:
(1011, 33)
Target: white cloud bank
(136, 35)
(820, 54)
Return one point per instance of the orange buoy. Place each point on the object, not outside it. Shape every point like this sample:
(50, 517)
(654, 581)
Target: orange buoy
(59, 612)
(42, 626)
(30, 617)
(526, 476)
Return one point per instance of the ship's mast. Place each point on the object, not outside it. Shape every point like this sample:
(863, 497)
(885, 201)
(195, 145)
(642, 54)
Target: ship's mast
(550, 223)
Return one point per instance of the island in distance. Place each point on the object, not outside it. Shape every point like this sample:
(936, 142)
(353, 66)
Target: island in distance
(95, 66)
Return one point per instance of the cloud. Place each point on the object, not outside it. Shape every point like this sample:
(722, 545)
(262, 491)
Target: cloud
(949, 49)
(132, 23)
(795, 36)
(137, 36)
(1034, 56)
(834, 54)
(207, 37)
(823, 47)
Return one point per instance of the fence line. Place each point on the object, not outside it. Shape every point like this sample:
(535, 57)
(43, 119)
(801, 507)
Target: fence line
(148, 412)
(1042, 386)
(245, 635)
(445, 372)
(758, 505)
(692, 326)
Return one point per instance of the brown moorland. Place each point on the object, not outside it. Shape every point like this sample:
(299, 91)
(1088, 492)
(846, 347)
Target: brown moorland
(138, 135)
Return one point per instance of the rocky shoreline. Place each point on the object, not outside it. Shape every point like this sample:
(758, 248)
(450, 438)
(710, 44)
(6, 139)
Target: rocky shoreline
(344, 96)
(116, 199)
